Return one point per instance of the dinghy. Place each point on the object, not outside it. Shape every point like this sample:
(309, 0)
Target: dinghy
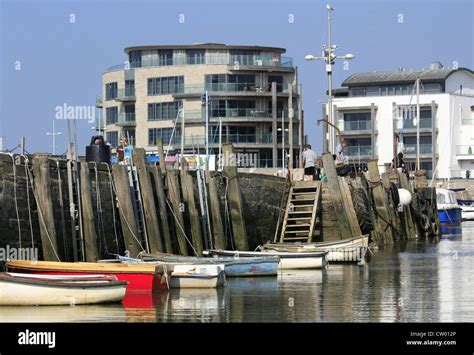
(288, 260)
(143, 277)
(48, 290)
(348, 250)
(197, 276)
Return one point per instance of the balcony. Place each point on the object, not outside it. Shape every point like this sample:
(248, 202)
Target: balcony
(465, 152)
(99, 102)
(354, 126)
(243, 114)
(126, 119)
(259, 62)
(127, 94)
(407, 125)
(409, 150)
(236, 89)
(243, 139)
(358, 151)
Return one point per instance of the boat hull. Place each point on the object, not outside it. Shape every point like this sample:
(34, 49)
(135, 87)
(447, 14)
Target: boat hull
(197, 276)
(450, 216)
(15, 291)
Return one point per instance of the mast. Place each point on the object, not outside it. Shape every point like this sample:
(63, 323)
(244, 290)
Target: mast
(418, 122)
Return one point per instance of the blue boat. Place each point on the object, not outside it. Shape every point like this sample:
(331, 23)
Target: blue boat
(233, 266)
(449, 211)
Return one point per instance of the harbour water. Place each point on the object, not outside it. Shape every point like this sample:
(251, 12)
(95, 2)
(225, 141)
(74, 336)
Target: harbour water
(416, 282)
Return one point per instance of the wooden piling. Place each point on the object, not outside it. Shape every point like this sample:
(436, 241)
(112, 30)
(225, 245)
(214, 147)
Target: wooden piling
(392, 212)
(216, 217)
(92, 251)
(235, 199)
(380, 200)
(335, 190)
(44, 203)
(174, 197)
(349, 208)
(410, 227)
(127, 215)
(161, 154)
(160, 191)
(149, 208)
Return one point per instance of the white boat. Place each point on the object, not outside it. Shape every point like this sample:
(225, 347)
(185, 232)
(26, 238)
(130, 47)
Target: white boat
(449, 210)
(288, 260)
(467, 207)
(47, 290)
(196, 276)
(348, 250)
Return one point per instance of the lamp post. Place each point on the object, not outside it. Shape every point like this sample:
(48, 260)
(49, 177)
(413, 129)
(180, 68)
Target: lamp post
(54, 134)
(329, 56)
(283, 154)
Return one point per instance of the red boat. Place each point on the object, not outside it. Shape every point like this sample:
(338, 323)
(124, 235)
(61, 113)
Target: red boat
(140, 277)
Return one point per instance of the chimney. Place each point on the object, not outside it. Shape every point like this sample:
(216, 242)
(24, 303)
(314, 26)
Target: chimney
(436, 65)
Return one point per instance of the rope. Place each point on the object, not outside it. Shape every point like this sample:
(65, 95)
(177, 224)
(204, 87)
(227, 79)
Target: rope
(28, 200)
(113, 206)
(180, 227)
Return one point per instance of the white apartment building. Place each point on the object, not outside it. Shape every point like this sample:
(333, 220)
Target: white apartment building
(376, 114)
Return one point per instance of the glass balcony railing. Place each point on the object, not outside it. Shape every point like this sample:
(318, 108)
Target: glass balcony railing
(232, 60)
(241, 88)
(358, 150)
(409, 124)
(98, 101)
(410, 149)
(234, 113)
(355, 125)
(265, 138)
(127, 93)
(126, 118)
(465, 150)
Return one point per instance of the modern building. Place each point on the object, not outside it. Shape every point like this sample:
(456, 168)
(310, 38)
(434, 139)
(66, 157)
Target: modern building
(253, 90)
(376, 114)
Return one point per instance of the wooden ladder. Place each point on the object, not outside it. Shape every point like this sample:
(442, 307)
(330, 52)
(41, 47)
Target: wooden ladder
(301, 212)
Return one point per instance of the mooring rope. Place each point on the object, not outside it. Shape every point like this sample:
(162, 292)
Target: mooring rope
(180, 227)
(113, 206)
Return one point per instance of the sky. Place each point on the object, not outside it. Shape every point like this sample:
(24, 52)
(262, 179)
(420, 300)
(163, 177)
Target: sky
(54, 52)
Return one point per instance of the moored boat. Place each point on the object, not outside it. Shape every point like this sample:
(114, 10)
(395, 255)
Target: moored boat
(48, 290)
(288, 260)
(467, 209)
(197, 276)
(145, 277)
(348, 250)
(449, 211)
(233, 267)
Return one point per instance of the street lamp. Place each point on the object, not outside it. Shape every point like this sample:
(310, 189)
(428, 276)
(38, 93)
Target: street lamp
(54, 134)
(329, 56)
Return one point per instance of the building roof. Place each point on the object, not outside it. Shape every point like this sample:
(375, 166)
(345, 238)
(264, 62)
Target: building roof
(206, 46)
(405, 76)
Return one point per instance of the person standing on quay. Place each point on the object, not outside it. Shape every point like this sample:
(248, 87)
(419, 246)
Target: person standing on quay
(309, 160)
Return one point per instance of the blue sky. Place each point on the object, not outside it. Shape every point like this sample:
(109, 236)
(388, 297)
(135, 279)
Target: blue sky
(61, 62)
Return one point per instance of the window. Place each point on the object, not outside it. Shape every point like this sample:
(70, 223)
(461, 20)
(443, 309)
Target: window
(112, 138)
(166, 85)
(196, 56)
(111, 114)
(129, 88)
(135, 58)
(278, 79)
(165, 57)
(356, 121)
(280, 107)
(232, 108)
(241, 134)
(111, 91)
(165, 134)
(163, 110)
(229, 82)
(129, 113)
(243, 57)
(356, 91)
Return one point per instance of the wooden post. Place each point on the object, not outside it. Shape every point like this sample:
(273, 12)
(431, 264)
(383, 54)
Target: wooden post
(149, 208)
(190, 205)
(45, 208)
(92, 251)
(349, 208)
(235, 199)
(274, 126)
(411, 231)
(393, 215)
(216, 217)
(379, 199)
(173, 194)
(333, 183)
(160, 191)
(127, 215)
(161, 154)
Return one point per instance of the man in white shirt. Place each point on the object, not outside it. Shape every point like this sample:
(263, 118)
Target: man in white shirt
(309, 161)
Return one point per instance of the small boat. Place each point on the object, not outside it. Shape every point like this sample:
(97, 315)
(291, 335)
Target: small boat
(288, 260)
(467, 207)
(197, 276)
(348, 250)
(51, 290)
(233, 267)
(145, 277)
(448, 207)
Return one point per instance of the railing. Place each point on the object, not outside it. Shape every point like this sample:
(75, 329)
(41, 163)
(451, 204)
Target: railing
(249, 88)
(410, 149)
(126, 118)
(234, 113)
(467, 122)
(240, 60)
(409, 124)
(355, 125)
(127, 93)
(265, 138)
(465, 150)
(358, 150)
(98, 101)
